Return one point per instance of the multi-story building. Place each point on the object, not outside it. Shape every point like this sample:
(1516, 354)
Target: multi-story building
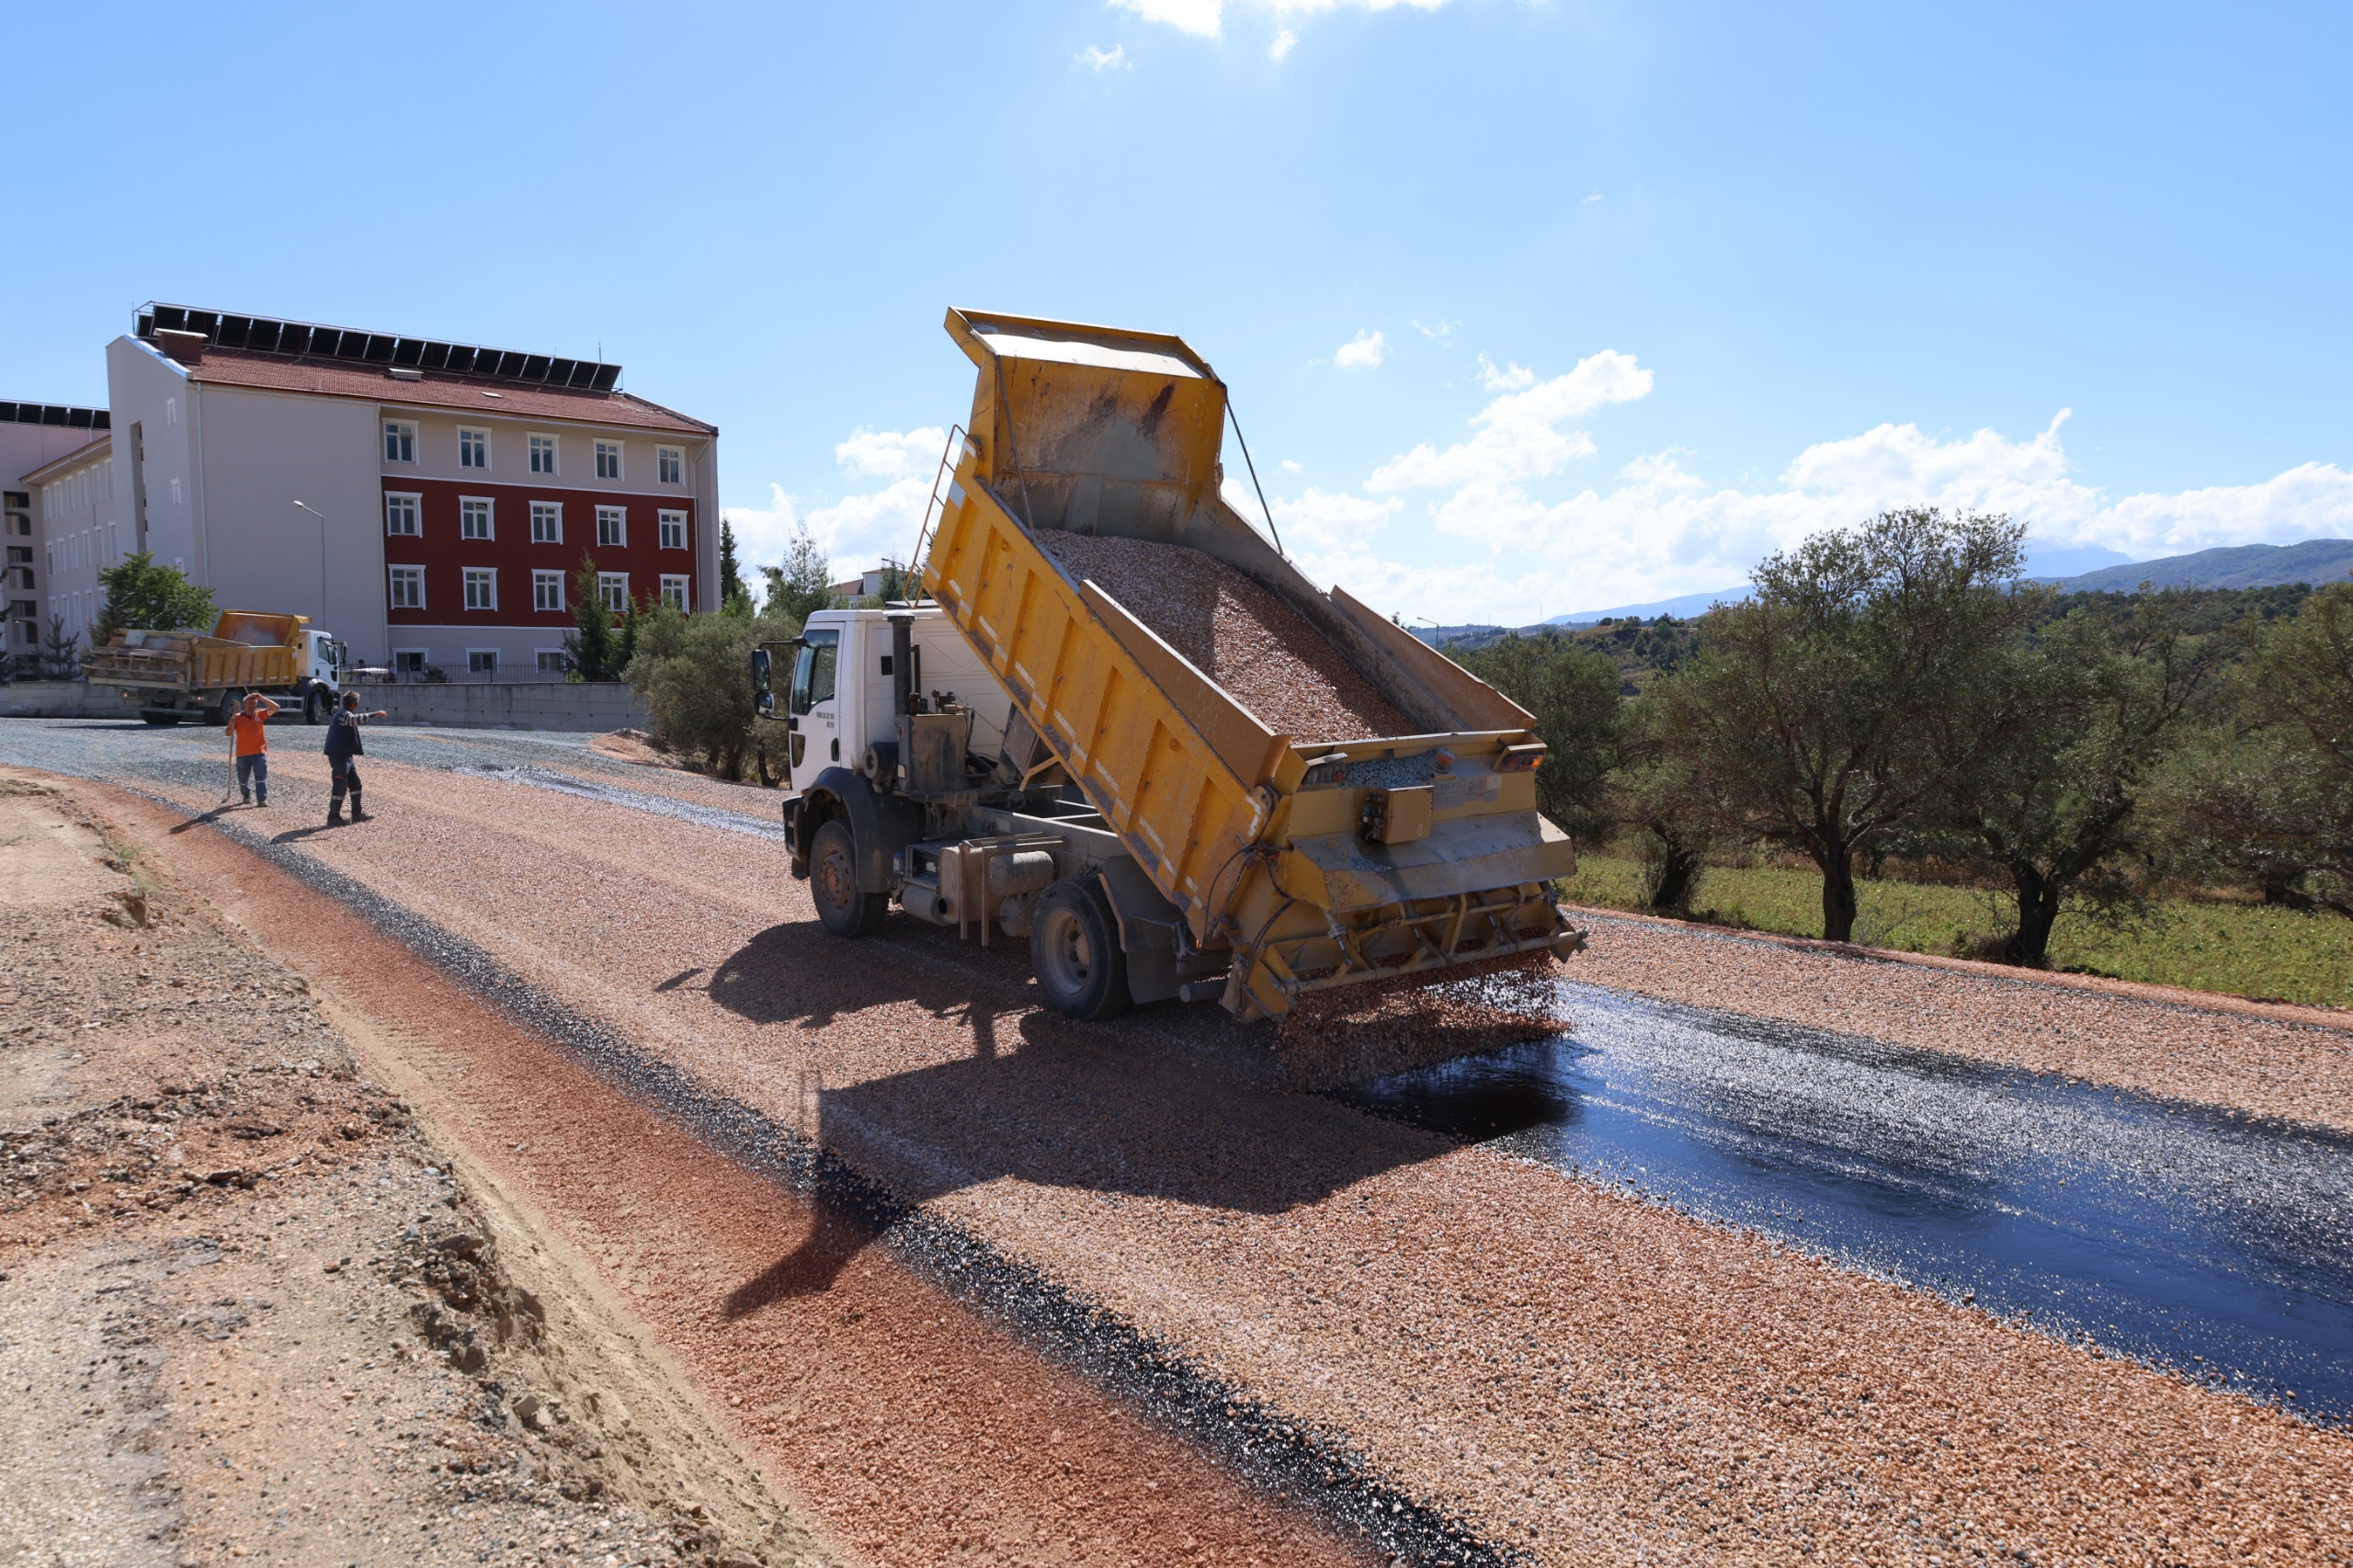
(432, 503)
(33, 437)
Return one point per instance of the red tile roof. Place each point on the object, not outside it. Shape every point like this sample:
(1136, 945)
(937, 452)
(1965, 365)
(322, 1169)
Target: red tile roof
(328, 377)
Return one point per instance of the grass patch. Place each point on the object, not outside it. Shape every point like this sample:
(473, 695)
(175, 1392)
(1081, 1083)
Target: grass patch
(2240, 949)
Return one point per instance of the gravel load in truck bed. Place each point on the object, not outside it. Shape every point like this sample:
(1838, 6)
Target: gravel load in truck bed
(1259, 648)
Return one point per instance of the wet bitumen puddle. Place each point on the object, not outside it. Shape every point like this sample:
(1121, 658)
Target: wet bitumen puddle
(2213, 1244)
(572, 784)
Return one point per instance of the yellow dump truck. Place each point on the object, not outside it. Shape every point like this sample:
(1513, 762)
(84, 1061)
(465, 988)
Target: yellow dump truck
(1027, 748)
(175, 676)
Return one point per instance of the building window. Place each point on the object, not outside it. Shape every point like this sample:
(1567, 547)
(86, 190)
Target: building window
(608, 459)
(408, 660)
(554, 661)
(474, 518)
(546, 522)
(612, 526)
(671, 464)
(481, 587)
(547, 590)
(473, 448)
(612, 587)
(674, 592)
(176, 492)
(673, 529)
(400, 515)
(400, 441)
(481, 661)
(543, 454)
(408, 587)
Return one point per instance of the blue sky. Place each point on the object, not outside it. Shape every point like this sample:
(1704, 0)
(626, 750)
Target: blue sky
(1636, 292)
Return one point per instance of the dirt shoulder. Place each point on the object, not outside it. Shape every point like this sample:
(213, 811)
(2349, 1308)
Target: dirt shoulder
(249, 1307)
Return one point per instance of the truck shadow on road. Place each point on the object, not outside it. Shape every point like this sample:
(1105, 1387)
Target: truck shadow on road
(1171, 1105)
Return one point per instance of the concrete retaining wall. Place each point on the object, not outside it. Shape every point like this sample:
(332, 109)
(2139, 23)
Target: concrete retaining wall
(60, 699)
(596, 706)
(512, 705)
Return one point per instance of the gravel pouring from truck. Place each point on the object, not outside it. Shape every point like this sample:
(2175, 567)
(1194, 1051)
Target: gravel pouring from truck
(175, 675)
(1023, 751)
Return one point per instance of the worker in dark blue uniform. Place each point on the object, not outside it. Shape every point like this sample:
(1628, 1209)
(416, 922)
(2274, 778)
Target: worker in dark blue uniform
(344, 750)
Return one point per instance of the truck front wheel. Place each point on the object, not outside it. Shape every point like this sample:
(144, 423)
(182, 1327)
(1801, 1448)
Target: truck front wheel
(314, 706)
(833, 882)
(1074, 947)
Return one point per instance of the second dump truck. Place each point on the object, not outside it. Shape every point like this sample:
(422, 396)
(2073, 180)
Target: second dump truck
(1015, 753)
(184, 674)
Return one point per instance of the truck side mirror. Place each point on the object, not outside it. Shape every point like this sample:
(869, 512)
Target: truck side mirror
(763, 684)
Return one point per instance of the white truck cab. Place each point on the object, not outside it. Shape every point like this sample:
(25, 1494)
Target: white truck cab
(839, 701)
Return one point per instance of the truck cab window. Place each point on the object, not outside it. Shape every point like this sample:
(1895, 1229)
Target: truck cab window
(812, 673)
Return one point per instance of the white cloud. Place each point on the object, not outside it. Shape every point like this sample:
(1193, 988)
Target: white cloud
(1292, 465)
(1363, 352)
(1441, 331)
(763, 533)
(1520, 437)
(1490, 550)
(1285, 41)
(1097, 60)
(891, 454)
(1514, 378)
(1206, 18)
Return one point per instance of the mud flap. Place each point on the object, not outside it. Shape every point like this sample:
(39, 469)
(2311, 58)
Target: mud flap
(1147, 929)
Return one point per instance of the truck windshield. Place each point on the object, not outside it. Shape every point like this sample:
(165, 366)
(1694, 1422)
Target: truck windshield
(812, 673)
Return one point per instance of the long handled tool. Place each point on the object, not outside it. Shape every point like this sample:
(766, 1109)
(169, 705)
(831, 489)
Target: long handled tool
(230, 789)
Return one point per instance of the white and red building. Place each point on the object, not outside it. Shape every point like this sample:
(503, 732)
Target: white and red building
(449, 495)
(55, 506)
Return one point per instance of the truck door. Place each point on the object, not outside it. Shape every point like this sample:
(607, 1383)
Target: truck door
(817, 721)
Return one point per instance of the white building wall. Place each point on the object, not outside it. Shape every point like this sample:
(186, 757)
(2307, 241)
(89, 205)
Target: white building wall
(79, 534)
(148, 396)
(262, 452)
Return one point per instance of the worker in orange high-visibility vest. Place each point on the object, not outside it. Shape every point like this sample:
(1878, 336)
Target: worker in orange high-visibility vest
(251, 743)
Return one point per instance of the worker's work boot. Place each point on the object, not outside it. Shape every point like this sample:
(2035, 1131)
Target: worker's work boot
(358, 814)
(334, 816)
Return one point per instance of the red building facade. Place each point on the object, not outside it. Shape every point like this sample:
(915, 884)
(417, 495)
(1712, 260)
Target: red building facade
(518, 553)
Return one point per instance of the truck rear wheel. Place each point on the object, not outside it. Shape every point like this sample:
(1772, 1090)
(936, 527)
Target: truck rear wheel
(833, 882)
(315, 707)
(230, 700)
(1074, 949)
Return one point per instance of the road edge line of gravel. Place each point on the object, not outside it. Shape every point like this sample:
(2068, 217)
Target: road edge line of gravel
(2303, 1015)
(1162, 1385)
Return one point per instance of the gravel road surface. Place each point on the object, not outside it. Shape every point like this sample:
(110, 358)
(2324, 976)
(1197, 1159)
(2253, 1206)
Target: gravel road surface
(1567, 1364)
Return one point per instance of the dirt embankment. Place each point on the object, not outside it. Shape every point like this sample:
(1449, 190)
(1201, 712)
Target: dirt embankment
(246, 1307)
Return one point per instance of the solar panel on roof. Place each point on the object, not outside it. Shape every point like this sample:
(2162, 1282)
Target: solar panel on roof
(266, 335)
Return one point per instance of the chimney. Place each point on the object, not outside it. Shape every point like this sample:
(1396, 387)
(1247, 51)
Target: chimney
(188, 348)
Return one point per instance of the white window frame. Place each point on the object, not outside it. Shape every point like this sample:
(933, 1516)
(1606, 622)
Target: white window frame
(541, 578)
(474, 653)
(552, 451)
(620, 534)
(668, 460)
(405, 432)
(471, 576)
(397, 574)
(674, 582)
(540, 658)
(612, 586)
(479, 433)
(554, 509)
(489, 505)
(424, 657)
(615, 450)
(664, 522)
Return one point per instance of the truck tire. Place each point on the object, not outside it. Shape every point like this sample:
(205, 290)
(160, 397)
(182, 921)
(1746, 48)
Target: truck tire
(314, 706)
(1074, 949)
(833, 882)
(231, 698)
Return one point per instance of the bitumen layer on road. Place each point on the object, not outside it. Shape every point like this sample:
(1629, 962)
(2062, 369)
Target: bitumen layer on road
(1558, 1358)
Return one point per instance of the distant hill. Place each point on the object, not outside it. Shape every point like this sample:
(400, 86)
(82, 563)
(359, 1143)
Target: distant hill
(1680, 608)
(2315, 561)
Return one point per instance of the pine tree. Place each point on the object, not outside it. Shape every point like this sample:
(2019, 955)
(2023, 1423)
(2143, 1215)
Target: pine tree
(731, 578)
(803, 584)
(590, 648)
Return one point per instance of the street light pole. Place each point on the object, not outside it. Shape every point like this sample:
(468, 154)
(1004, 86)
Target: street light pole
(323, 558)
